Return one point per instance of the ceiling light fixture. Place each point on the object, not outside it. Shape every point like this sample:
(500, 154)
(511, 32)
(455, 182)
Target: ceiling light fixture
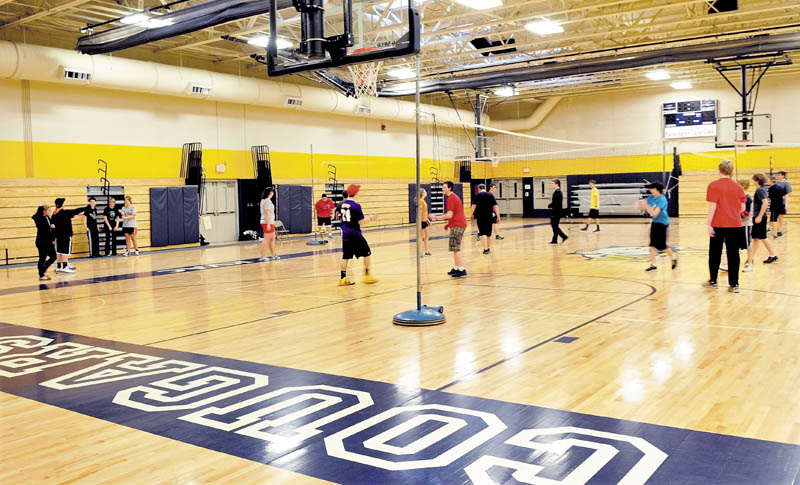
(505, 91)
(263, 41)
(401, 73)
(480, 4)
(544, 27)
(681, 85)
(657, 75)
(156, 23)
(136, 18)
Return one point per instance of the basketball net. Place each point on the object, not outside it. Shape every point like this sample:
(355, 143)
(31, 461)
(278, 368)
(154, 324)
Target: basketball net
(741, 145)
(365, 78)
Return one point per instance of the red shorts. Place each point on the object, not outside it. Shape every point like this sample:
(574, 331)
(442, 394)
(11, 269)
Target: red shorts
(268, 228)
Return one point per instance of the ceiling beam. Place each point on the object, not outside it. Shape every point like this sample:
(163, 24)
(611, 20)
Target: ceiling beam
(43, 13)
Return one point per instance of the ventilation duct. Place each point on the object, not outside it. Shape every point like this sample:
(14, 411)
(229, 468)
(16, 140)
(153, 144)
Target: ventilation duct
(762, 44)
(541, 112)
(44, 64)
(180, 22)
(76, 75)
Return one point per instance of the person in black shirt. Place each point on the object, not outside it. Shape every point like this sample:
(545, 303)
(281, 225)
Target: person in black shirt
(111, 219)
(484, 209)
(557, 212)
(90, 226)
(44, 240)
(62, 220)
(759, 232)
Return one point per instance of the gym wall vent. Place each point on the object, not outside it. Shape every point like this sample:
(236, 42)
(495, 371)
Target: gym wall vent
(199, 90)
(76, 75)
(292, 102)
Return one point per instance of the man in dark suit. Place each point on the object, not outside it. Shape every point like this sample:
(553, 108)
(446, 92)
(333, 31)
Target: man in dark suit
(557, 212)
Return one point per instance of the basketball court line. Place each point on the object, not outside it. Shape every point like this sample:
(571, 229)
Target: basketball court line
(535, 346)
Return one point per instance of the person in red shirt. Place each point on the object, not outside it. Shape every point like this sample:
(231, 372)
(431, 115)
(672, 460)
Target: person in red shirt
(457, 224)
(324, 208)
(726, 202)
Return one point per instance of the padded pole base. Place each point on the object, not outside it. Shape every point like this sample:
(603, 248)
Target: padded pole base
(425, 317)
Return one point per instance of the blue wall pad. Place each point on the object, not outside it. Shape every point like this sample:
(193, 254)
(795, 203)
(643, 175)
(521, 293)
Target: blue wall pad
(175, 214)
(359, 431)
(191, 215)
(159, 222)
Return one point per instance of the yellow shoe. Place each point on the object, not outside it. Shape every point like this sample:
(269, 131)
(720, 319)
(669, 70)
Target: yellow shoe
(345, 282)
(369, 279)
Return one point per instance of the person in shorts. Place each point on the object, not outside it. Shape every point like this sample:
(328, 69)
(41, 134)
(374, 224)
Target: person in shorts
(425, 223)
(594, 207)
(324, 209)
(456, 224)
(656, 205)
(267, 208)
(62, 222)
(495, 217)
(759, 231)
(353, 243)
(129, 227)
(780, 190)
(485, 211)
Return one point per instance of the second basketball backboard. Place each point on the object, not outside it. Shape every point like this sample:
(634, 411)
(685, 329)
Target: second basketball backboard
(320, 34)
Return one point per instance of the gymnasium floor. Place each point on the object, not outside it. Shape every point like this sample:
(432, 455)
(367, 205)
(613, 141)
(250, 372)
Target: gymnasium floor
(659, 380)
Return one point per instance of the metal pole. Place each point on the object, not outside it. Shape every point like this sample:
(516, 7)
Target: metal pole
(419, 218)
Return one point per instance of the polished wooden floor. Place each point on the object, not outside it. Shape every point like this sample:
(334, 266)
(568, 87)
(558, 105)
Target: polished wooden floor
(652, 347)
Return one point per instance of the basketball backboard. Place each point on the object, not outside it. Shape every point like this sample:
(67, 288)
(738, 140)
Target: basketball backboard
(755, 129)
(320, 34)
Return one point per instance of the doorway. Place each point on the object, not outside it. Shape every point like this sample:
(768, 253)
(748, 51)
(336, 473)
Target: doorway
(218, 209)
(509, 196)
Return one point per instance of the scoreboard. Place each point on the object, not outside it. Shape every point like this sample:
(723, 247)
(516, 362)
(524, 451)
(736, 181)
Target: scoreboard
(686, 119)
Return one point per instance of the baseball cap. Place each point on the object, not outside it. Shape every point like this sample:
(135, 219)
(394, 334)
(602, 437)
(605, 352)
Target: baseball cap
(353, 189)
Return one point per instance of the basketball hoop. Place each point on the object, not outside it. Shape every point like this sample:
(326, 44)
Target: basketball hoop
(365, 75)
(495, 161)
(741, 145)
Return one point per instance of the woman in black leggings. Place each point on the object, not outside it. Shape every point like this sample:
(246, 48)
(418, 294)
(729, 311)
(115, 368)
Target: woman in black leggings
(44, 239)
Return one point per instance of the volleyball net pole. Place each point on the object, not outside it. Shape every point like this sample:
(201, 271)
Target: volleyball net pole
(422, 316)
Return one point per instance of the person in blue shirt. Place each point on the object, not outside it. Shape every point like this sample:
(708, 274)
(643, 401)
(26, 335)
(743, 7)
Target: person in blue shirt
(656, 206)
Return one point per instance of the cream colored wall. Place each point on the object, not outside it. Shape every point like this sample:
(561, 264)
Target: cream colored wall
(632, 116)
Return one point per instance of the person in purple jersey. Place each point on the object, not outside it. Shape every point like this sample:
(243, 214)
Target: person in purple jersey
(353, 242)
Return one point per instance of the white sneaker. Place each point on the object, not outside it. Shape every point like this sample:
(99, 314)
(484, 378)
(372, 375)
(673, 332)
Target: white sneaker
(68, 270)
(748, 267)
(73, 268)
(723, 267)
(275, 258)
(126, 253)
(136, 252)
(59, 270)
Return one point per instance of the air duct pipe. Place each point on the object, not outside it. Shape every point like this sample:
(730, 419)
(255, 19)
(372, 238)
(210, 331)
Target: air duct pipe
(48, 64)
(533, 121)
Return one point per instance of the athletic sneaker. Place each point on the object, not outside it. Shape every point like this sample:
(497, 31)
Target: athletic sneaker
(780, 234)
(486, 251)
(499, 237)
(585, 228)
(674, 263)
(565, 239)
(711, 284)
(428, 254)
(44, 278)
(345, 282)
(770, 259)
(369, 279)
(733, 289)
(126, 253)
(459, 273)
(553, 242)
(452, 271)
(652, 267)
(597, 230)
(136, 252)
(748, 267)
(263, 259)
(58, 270)
(67, 270)
(477, 237)
(276, 257)
(723, 267)
(71, 267)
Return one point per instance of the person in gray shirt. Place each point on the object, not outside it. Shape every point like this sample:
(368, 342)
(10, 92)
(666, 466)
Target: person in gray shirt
(129, 226)
(268, 225)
